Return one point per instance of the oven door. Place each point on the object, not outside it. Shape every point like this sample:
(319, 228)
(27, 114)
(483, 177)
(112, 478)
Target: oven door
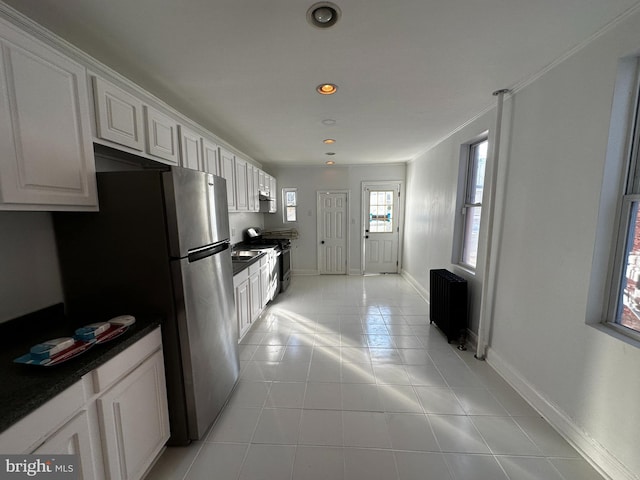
(285, 269)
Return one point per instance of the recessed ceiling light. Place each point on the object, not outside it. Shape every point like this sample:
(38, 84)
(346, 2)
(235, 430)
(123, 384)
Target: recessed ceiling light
(327, 89)
(329, 141)
(328, 121)
(323, 14)
(330, 162)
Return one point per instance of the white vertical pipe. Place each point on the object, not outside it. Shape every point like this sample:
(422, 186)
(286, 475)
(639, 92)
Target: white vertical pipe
(487, 288)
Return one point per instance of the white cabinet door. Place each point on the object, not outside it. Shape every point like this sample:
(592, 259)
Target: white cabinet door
(162, 136)
(190, 151)
(210, 162)
(242, 307)
(255, 189)
(135, 421)
(242, 185)
(227, 171)
(262, 181)
(265, 278)
(46, 150)
(118, 115)
(252, 189)
(272, 195)
(255, 296)
(74, 438)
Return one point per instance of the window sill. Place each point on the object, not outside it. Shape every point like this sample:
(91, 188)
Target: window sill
(621, 333)
(466, 269)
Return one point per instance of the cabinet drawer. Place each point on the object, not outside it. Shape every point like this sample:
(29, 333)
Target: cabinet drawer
(123, 363)
(26, 435)
(255, 268)
(240, 277)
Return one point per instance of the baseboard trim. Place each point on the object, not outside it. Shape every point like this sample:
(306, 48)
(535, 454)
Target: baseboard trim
(416, 285)
(592, 451)
(304, 272)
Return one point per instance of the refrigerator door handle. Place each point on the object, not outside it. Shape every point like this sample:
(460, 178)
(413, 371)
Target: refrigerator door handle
(204, 252)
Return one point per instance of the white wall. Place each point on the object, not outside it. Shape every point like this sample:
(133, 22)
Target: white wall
(580, 376)
(432, 188)
(29, 272)
(310, 180)
(239, 222)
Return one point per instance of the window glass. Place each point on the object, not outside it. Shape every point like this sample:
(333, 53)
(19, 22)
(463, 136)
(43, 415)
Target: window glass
(381, 211)
(290, 200)
(472, 209)
(629, 309)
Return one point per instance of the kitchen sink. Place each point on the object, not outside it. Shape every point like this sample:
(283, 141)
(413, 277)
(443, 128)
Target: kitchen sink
(245, 255)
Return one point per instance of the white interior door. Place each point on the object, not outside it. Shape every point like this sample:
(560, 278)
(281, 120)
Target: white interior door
(381, 227)
(332, 232)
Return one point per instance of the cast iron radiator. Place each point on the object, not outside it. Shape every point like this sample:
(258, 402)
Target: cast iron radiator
(448, 304)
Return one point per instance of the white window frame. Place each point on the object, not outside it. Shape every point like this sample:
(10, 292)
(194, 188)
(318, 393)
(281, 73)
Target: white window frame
(464, 203)
(284, 204)
(630, 194)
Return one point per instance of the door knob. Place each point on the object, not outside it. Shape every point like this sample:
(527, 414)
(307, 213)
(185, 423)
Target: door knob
(322, 242)
(366, 236)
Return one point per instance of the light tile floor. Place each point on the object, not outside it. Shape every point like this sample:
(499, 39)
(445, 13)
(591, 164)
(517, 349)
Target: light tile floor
(343, 378)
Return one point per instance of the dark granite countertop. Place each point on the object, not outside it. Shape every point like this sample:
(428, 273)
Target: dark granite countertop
(27, 387)
(240, 265)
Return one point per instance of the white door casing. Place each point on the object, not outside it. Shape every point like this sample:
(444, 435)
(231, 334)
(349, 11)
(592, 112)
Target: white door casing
(333, 232)
(381, 215)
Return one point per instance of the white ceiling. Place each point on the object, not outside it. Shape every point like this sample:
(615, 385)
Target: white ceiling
(409, 71)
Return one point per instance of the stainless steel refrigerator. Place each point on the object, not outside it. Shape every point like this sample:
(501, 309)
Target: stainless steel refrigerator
(160, 246)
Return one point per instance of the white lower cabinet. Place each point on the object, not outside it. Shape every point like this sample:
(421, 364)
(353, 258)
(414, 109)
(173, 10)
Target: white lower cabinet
(255, 296)
(243, 305)
(75, 438)
(265, 276)
(115, 418)
(135, 425)
(248, 295)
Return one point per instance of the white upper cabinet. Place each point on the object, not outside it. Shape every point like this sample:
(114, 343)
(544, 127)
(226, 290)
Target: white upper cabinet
(46, 153)
(190, 149)
(227, 171)
(272, 195)
(210, 163)
(256, 184)
(118, 115)
(242, 185)
(252, 187)
(262, 184)
(162, 136)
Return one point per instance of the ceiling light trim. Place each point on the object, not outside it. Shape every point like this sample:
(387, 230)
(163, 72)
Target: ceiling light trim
(323, 14)
(327, 88)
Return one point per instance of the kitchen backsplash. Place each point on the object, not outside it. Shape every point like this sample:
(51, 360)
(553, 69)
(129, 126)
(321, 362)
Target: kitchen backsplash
(29, 270)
